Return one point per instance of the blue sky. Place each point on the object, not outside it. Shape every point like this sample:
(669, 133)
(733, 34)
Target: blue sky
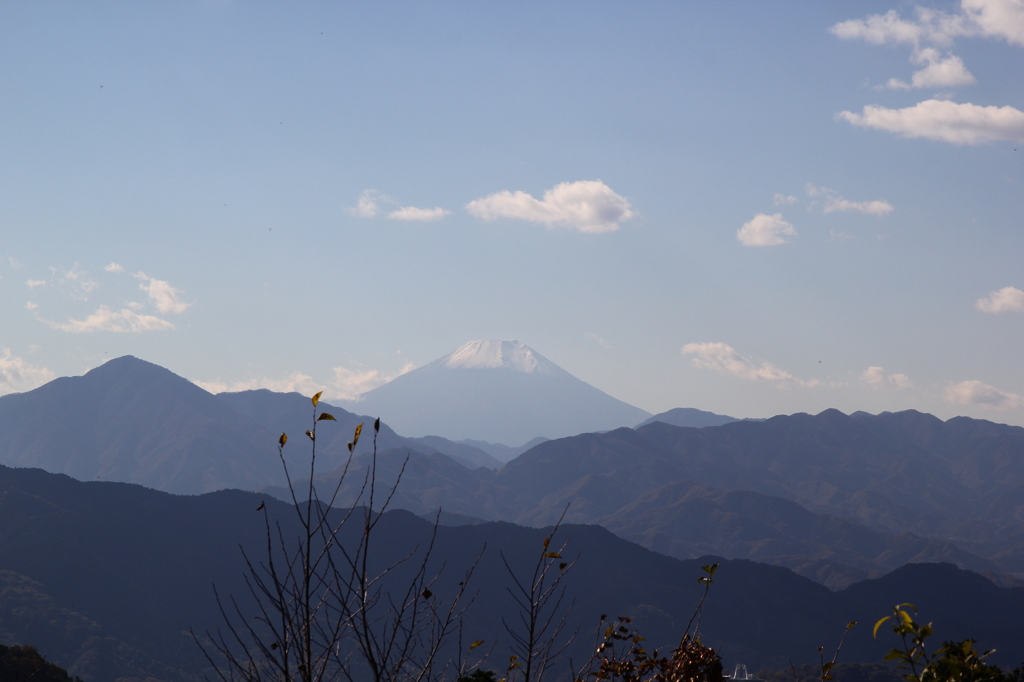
(750, 208)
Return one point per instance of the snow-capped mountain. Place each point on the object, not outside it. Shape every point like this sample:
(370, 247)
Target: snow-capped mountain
(487, 354)
(496, 391)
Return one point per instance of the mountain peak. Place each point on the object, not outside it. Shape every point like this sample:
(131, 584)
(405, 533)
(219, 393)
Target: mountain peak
(492, 354)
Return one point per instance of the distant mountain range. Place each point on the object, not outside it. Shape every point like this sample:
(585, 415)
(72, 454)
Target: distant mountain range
(107, 578)
(835, 497)
(496, 391)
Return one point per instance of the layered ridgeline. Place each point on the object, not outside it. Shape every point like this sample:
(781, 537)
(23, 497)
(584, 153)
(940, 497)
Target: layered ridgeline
(106, 579)
(835, 497)
(132, 421)
(496, 391)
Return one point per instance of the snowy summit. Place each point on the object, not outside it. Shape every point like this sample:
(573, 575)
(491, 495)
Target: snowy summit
(491, 354)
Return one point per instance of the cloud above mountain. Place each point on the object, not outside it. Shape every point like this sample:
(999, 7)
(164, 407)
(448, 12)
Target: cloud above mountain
(975, 392)
(105, 319)
(724, 359)
(17, 374)
(586, 206)
(877, 377)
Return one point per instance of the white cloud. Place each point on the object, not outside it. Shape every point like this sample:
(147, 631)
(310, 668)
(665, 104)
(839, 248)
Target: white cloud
(163, 295)
(16, 375)
(765, 230)
(977, 393)
(412, 213)
(29, 305)
(784, 199)
(834, 202)
(347, 384)
(588, 206)
(877, 378)
(996, 18)
(880, 29)
(33, 283)
(939, 72)
(723, 358)
(1000, 19)
(114, 267)
(368, 205)
(944, 120)
(107, 320)
(1005, 300)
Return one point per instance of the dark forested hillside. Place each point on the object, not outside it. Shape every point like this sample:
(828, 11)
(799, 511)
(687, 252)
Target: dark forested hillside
(111, 576)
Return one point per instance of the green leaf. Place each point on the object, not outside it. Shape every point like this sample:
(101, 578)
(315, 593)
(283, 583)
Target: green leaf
(283, 439)
(874, 633)
(894, 655)
(476, 644)
(326, 415)
(316, 398)
(552, 555)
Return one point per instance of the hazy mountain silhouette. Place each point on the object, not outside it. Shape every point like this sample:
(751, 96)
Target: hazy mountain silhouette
(132, 421)
(496, 391)
(134, 566)
(689, 416)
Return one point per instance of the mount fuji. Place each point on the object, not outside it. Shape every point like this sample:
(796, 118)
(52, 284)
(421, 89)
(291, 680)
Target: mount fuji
(496, 391)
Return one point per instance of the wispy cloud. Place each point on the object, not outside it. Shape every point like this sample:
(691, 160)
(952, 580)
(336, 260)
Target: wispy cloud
(834, 202)
(29, 305)
(411, 213)
(943, 120)
(597, 339)
(878, 378)
(1005, 300)
(587, 206)
(73, 283)
(346, 384)
(765, 230)
(166, 298)
(17, 375)
(723, 358)
(977, 393)
(369, 206)
(108, 320)
(784, 199)
(350, 384)
(114, 267)
(33, 283)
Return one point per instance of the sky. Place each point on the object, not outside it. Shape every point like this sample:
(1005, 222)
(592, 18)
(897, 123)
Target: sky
(748, 208)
